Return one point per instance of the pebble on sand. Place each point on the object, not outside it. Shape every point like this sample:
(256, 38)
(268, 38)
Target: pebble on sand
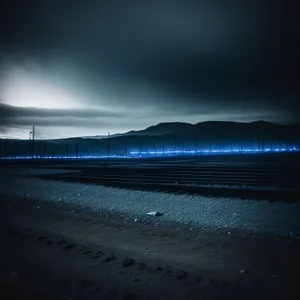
(155, 213)
(244, 271)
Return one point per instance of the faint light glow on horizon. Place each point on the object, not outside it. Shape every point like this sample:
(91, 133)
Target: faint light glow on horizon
(31, 88)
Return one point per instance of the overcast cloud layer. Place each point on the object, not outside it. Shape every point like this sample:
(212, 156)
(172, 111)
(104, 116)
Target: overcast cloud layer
(89, 67)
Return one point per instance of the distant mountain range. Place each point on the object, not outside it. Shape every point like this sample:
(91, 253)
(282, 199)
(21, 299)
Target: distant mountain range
(216, 127)
(167, 136)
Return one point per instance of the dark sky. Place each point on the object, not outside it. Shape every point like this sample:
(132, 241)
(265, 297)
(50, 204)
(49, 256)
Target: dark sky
(89, 67)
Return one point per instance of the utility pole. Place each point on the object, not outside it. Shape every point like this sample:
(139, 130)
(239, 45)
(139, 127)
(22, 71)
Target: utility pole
(33, 136)
(30, 146)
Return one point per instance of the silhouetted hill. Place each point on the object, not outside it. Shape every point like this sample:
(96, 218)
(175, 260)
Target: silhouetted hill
(215, 127)
(168, 136)
(163, 128)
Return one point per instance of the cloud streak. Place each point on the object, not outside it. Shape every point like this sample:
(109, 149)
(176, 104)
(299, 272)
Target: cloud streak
(9, 111)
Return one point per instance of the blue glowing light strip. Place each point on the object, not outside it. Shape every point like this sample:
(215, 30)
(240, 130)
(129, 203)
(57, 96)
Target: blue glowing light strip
(216, 151)
(64, 157)
(191, 152)
(143, 154)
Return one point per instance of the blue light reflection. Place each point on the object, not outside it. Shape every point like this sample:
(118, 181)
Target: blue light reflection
(148, 154)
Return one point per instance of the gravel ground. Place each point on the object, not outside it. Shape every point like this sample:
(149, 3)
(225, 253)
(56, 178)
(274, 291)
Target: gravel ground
(195, 211)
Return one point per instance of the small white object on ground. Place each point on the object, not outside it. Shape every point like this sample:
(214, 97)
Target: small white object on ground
(155, 213)
(244, 271)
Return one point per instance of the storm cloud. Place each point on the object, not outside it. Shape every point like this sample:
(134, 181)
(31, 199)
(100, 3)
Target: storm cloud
(13, 116)
(155, 61)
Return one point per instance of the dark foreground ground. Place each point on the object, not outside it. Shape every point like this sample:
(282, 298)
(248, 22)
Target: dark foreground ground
(63, 253)
(271, 176)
